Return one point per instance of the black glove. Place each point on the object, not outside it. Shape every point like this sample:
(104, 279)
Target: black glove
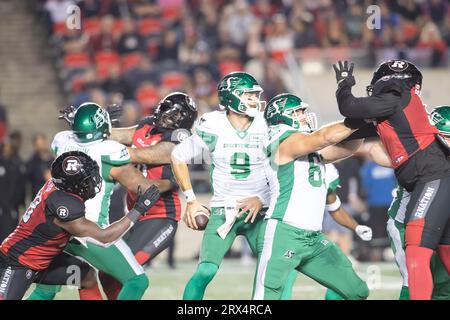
(115, 112)
(344, 71)
(68, 114)
(144, 201)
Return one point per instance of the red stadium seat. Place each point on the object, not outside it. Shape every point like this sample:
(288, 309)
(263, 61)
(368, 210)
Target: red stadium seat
(130, 61)
(172, 80)
(229, 66)
(76, 60)
(150, 26)
(171, 13)
(118, 27)
(91, 26)
(104, 60)
(59, 28)
(147, 97)
(107, 57)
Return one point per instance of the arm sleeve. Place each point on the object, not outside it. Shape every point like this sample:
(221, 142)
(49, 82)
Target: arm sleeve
(191, 148)
(64, 206)
(381, 104)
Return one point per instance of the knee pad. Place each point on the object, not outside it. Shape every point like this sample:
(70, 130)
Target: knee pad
(206, 271)
(414, 231)
(139, 283)
(359, 292)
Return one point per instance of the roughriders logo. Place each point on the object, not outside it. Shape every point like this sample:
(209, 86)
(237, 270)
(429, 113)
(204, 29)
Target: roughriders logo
(100, 118)
(229, 83)
(275, 107)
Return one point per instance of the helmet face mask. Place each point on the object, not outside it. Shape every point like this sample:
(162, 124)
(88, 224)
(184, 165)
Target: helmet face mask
(290, 110)
(91, 123)
(177, 110)
(239, 92)
(75, 172)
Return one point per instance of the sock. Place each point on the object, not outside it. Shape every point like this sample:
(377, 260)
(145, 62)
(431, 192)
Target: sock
(110, 285)
(134, 288)
(287, 292)
(444, 255)
(90, 293)
(44, 292)
(420, 280)
(404, 293)
(332, 295)
(195, 288)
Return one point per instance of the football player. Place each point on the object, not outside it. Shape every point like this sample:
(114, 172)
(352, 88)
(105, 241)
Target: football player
(419, 159)
(91, 127)
(231, 139)
(170, 124)
(440, 117)
(290, 237)
(34, 251)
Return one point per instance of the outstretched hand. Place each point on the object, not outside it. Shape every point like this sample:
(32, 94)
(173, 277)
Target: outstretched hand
(344, 70)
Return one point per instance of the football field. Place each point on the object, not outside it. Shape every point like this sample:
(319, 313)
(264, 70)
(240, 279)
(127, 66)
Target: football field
(234, 281)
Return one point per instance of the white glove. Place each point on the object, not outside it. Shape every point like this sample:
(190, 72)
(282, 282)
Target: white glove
(364, 232)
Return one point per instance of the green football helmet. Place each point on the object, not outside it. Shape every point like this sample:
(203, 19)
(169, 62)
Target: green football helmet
(284, 108)
(91, 122)
(440, 117)
(231, 89)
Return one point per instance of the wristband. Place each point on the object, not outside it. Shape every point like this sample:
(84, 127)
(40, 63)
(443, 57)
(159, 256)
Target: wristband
(333, 206)
(190, 195)
(134, 215)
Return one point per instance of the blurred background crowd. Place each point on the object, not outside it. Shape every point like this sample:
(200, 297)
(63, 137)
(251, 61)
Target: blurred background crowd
(134, 52)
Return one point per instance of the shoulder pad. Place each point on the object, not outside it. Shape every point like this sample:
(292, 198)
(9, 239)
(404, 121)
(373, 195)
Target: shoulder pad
(389, 85)
(175, 136)
(60, 139)
(275, 136)
(64, 206)
(209, 121)
(115, 153)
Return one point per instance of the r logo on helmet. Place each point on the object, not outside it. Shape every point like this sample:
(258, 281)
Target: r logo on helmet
(62, 212)
(398, 65)
(71, 165)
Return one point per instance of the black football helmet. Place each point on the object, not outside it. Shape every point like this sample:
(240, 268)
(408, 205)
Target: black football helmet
(400, 69)
(75, 172)
(177, 110)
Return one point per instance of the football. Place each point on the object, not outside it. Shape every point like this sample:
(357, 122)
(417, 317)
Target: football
(201, 219)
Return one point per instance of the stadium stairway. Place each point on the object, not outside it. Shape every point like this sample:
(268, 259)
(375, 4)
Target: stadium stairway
(28, 81)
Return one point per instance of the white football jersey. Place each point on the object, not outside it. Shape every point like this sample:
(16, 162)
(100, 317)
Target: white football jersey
(107, 154)
(239, 167)
(298, 194)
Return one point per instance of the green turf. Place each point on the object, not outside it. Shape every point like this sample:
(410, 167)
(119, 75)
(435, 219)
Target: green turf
(234, 281)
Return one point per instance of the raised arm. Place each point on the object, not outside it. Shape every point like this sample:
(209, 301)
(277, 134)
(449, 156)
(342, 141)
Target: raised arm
(131, 178)
(123, 135)
(299, 144)
(341, 150)
(153, 155)
(381, 104)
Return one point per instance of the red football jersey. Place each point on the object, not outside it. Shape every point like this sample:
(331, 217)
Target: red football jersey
(168, 205)
(37, 239)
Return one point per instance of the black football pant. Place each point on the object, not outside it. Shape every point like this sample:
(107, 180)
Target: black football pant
(15, 279)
